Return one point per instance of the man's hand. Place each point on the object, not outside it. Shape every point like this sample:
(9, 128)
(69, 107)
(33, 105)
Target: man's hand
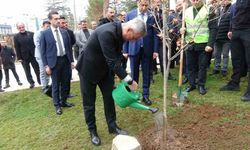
(48, 70)
(155, 55)
(133, 86)
(72, 66)
(208, 49)
(174, 21)
(229, 35)
(125, 55)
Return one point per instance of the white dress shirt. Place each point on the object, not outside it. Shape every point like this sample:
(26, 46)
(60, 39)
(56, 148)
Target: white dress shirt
(60, 36)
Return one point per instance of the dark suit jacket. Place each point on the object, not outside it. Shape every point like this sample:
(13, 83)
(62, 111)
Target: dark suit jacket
(72, 37)
(150, 41)
(49, 49)
(24, 45)
(104, 21)
(102, 54)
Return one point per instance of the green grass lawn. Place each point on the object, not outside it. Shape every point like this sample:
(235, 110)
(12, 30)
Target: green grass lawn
(28, 119)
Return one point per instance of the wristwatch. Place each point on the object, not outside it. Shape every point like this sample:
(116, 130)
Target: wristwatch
(130, 82)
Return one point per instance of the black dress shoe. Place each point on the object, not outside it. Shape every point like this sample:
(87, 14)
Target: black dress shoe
(117, 130)
(1, 90)
(230, 87)
(95, 139)
(190, 88)
(215, 72)
(202, 90)
(66, 104)
(58, 110)
(6, 86)
(147, 101)
(48, 90)
(32, 86)
(246, 97)
(224, 73)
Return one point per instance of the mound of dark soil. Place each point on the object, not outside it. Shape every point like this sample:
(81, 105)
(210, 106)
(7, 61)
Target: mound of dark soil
(200, 128)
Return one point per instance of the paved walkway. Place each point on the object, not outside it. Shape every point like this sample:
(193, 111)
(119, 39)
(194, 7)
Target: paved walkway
(19, 68)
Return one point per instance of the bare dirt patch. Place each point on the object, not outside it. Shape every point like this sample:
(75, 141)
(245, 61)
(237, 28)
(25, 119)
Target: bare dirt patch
(201, 128)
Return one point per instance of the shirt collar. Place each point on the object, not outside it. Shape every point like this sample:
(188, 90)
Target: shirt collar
(53, 29)
(139, 13)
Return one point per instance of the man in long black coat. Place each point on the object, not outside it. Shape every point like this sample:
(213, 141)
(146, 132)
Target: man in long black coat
(8, 57)
(97, 65)
(25, 50)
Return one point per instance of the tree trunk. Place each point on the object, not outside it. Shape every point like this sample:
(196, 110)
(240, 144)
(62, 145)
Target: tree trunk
(105, 7)
(166, 42)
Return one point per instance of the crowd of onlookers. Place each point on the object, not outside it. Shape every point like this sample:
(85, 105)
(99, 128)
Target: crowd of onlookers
(211, 30)
(219, 17)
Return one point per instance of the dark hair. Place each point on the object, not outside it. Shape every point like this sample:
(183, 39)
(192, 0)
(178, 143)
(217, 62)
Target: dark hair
(46, 22)
(62, 17)
(52, 13)
(118, 15)
(83, 21)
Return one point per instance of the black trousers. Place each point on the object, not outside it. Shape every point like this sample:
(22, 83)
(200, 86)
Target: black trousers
(88, 91)
(1, 77)
(76, 51)
(60, 77)
(240, 55)
(26, 67)
(7, 78)
(197, 58)
(124, 62)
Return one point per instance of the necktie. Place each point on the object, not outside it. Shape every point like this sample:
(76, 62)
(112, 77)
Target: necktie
(61, 53)
(142, 16)
(86, 33)
(141, 40)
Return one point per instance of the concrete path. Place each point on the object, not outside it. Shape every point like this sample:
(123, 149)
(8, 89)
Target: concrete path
(19, 68)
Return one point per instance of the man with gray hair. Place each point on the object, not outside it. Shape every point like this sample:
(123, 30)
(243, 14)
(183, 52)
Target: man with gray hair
(97, 66)
(142, 51)
(44, 78)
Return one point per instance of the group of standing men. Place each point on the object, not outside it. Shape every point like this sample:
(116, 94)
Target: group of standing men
(103, 50)
(49, 51)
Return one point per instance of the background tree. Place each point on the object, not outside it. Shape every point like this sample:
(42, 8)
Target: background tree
(95, 6)
(61, 7)
(94, 10)
(129, 5)
(122, 5)
(105, 7)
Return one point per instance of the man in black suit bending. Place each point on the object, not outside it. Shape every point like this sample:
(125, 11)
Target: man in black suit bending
(97, 65)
